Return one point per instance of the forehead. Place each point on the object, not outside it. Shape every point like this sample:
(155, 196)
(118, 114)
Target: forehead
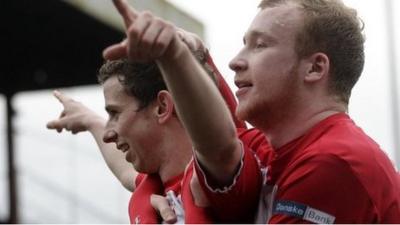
(114, 92)
(278, 22)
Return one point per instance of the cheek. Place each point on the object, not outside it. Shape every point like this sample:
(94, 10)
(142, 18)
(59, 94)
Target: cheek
(267, 69)
(270, 73)
(140, 134)
(126, 126)
(122, 128)
(274, 58)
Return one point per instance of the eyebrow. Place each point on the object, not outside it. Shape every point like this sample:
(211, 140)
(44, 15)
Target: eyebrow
(256, 34)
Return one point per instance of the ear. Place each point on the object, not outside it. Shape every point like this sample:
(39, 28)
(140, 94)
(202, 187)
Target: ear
(317, 67)
(164, 109)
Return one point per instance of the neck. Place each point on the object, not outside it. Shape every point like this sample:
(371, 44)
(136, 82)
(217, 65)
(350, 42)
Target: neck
(297, 123)
(177, 153)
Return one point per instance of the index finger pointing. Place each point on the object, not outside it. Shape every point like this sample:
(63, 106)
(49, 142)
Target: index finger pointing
(61, 97)
(128, 13)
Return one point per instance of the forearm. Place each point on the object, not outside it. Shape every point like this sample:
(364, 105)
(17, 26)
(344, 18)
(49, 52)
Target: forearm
(199, 105)
(225, 91)
(203, 113)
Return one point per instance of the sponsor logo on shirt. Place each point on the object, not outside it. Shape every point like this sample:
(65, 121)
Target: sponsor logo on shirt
(302, 211)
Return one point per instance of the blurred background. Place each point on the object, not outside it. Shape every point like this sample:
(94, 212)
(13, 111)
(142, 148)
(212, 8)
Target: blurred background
(46, 177)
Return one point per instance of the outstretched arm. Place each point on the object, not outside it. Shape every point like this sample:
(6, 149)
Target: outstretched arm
(76, 118)
(199, 103)
(197, 47)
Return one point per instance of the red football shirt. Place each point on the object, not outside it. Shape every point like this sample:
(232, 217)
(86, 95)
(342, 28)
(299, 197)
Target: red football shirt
(178, 194)
(333, 174)
(140, 209)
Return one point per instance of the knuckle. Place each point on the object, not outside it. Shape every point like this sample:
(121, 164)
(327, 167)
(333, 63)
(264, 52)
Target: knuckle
(133, 30)
(160, 45)
(147, 14)
(169, 26)
(157, 22)
(146, 42)
(160, 21)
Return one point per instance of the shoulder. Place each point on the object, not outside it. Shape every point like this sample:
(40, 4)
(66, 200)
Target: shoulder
(327, 184)
(346, 144)
(257, 143)
(339, 171)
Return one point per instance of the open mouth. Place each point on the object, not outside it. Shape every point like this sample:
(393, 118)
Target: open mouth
(242, 84)
(243, 87)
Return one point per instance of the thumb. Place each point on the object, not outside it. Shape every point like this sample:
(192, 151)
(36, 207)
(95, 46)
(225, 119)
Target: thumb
(116, 51)
(161, 205)
(52, 124)
(55, 124)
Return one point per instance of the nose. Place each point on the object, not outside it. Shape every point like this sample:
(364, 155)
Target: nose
(238, 64)
(110, 136)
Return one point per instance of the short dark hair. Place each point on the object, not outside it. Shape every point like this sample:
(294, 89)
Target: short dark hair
(142, 80)
(336, 30)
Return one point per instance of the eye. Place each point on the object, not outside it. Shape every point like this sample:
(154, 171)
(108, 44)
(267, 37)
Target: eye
(112, 114)
(260, 45)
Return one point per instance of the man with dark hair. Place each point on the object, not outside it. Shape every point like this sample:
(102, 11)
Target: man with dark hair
(295, 74)
(145, 128)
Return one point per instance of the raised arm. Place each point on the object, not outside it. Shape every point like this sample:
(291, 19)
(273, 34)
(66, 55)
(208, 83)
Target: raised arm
(199, 103)
(204, 114)
(76, 118)
(197, 46)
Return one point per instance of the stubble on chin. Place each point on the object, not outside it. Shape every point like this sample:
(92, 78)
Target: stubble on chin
(254, 113)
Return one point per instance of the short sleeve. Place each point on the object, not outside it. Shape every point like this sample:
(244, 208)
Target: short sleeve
(236, 203)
